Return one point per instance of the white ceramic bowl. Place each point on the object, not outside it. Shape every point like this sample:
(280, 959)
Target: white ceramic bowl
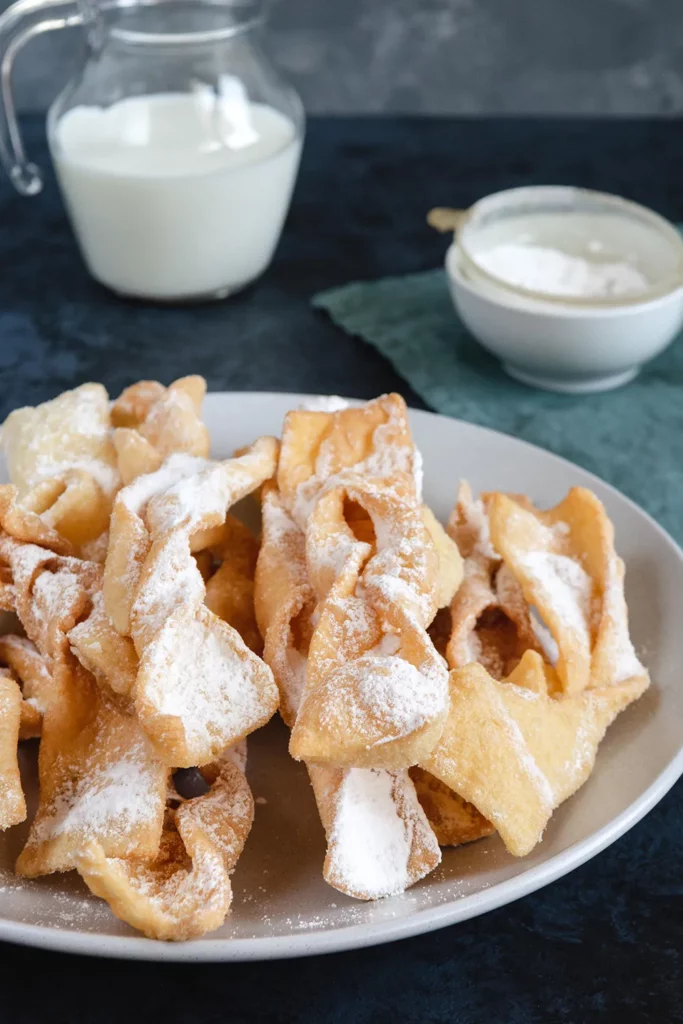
(564, 347)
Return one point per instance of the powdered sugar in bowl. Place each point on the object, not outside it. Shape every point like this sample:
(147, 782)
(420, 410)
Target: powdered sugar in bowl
(573, 290)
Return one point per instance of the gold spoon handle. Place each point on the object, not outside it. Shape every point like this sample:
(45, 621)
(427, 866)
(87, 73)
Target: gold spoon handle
(444, 219)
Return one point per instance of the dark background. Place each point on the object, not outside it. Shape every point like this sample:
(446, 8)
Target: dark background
(450, 56)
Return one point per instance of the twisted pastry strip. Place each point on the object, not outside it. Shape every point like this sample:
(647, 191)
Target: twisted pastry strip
(103, 790)
(565, 562)
(518, 747)
(99, 777)
(151, 422)
(168, 898)
(517, 752)
(488, 623)
(490, 618)
(376, 692)
(67, 458)
(62, 467)
(199, 689)
(379, 841)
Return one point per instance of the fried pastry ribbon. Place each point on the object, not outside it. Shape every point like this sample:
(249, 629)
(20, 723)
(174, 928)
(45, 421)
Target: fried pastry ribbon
(566, 565)
(490, 619)
(103, 789)
(376, 690)
(185, 890)
(516, 752)
(487, 621)
(379, 841)
(67, 458)
(229, 578)
(454, 820)
(198, 688)
(98, 773)
(152, 422)
(522, 736)
(63, 471)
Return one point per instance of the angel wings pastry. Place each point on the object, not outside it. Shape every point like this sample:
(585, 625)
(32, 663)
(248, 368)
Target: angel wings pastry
(129, 682)
(440, 683)
(346, 583)
(530, 701)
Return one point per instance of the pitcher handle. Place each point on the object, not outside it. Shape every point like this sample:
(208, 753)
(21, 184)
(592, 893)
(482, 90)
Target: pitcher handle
(20, 23)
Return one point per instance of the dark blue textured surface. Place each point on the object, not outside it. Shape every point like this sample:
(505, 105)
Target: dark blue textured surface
(605, 943)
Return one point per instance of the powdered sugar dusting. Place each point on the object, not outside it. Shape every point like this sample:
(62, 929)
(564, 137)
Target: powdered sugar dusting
(176, 581)
(627, 663)
(565, 586)
(57, 598)
(335, 552)
(105, 475)
(324, 403)
(295, 677)
(389, 644)
(370, 844)
(545, 638)
(376, 695)
(417, 469)
(205, 495)
(71, 432)
(54, 592)
(582, 753)
(205, 679)
(114, 800)
(480, 521)
(237, 754)
(278, 524)
(224, 815)
(176, 893)
(96, 550)
(387, 460)
(388, 695)
(25, 560)
(352, 621)
(136, 495)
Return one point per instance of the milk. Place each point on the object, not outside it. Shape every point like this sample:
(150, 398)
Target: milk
(176, 196)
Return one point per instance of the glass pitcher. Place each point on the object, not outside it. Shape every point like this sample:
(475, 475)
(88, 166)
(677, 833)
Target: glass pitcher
(176, 146)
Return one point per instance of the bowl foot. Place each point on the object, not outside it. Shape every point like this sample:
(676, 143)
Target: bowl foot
(580, 386)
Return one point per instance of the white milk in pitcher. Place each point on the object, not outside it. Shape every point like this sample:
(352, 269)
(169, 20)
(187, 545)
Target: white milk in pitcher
(176, 196)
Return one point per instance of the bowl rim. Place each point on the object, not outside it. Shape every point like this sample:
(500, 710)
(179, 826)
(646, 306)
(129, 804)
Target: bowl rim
(616, 203)
(538, 305)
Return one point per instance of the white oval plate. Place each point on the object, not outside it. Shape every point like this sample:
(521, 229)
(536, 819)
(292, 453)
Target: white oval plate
(282, 907)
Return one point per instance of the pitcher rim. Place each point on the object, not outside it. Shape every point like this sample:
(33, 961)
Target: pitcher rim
(254, 17)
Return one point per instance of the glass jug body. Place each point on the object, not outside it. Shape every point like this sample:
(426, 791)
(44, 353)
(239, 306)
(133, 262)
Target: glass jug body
(176, 148)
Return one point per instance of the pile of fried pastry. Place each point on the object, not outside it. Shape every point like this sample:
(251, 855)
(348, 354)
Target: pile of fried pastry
(440, 684)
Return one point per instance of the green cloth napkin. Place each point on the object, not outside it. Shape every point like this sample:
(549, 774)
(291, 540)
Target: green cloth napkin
(632, 437)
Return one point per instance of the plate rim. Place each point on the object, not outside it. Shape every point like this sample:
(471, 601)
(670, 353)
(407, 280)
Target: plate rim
(427, 919)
